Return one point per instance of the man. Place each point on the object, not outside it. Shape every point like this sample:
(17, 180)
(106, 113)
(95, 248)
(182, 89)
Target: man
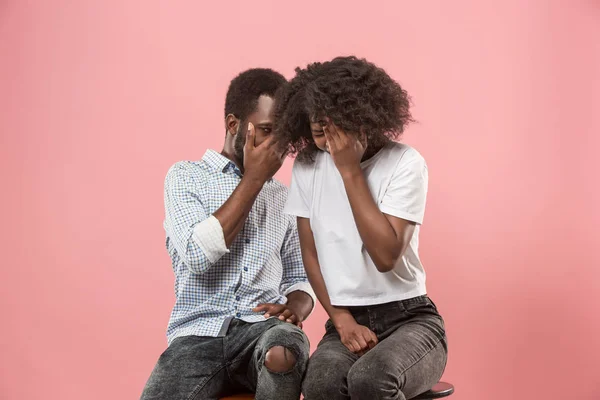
(241, 289)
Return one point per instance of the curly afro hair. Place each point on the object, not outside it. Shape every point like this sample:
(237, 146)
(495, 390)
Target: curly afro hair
(353, 93)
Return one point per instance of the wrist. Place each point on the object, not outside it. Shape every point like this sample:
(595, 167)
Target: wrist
(341, 319)
(253, 181)
(300, 312)
(351, 172)
(300, 303)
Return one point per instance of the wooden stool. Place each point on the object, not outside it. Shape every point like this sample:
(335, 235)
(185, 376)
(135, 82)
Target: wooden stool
(441, 389)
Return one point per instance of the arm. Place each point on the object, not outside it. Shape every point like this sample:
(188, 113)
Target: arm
(300, 304)
(233, 213)
(199, 238)
(356, 338)
(260, 164)
(202, 239)
(183, 212)
(313, 271)
(385, 237)
(294, 284)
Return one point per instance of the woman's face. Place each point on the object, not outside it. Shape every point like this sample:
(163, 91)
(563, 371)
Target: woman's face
(318, 135)
(316, 128)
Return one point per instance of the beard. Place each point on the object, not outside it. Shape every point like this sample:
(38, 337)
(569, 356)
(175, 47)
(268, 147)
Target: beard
(238, 145)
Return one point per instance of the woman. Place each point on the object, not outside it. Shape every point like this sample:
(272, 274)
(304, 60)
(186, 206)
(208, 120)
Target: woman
(359, 197)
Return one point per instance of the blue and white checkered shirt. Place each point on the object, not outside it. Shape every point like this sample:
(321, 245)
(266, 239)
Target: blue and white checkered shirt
(263, 264)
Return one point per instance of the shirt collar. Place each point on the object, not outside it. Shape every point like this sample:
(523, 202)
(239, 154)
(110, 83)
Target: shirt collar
(221, 163)
(216, 160)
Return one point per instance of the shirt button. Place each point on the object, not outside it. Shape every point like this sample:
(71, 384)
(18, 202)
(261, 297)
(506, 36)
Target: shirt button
(238, 315)
(245, 268)
(237, 298)
(247, 241)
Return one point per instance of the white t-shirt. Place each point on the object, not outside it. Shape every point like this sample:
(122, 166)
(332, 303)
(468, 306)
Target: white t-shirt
(397, 177)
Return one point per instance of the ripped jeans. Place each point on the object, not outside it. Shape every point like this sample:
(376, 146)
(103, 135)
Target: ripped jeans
(195, 367)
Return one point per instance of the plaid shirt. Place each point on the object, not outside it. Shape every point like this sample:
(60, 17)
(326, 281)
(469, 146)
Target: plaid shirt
(264, 263)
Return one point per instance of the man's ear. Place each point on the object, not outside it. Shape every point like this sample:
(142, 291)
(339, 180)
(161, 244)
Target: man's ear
(232, 124)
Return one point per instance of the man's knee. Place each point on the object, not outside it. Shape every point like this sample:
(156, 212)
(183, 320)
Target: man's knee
(280, 359)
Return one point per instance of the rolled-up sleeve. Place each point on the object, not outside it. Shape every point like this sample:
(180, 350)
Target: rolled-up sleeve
(197, 237)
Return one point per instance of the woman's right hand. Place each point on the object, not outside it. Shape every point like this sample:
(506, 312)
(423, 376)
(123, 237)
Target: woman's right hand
(357, 338)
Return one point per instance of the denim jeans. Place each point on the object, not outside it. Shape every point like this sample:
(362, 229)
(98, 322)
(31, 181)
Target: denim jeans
(195, 367)
(408, 360)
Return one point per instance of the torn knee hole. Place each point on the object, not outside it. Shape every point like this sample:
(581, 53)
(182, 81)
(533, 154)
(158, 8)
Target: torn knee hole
(280, 359)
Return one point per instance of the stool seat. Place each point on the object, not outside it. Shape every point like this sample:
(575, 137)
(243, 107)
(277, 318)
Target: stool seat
(439, 390)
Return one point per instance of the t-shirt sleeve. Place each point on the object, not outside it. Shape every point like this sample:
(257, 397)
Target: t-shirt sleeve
(297, 202)
(406, 194)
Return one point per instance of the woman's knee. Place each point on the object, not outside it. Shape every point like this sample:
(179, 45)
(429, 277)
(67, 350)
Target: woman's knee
(369, 381)
(324, 380)
(322, 387)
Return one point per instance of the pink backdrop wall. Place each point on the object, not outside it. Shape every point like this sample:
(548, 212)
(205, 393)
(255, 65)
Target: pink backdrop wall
(99, 98)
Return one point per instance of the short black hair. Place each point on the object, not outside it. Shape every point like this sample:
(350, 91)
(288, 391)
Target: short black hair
(353, 93)
(245, 89)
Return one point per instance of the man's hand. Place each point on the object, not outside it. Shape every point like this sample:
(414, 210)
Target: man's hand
(347, 150)
(357, 338)
(284, 312)
(263, 161)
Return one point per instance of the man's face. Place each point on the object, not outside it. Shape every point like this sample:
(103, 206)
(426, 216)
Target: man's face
(262, 119)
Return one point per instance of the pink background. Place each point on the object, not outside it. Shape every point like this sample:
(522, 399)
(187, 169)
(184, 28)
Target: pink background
(99, 98)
